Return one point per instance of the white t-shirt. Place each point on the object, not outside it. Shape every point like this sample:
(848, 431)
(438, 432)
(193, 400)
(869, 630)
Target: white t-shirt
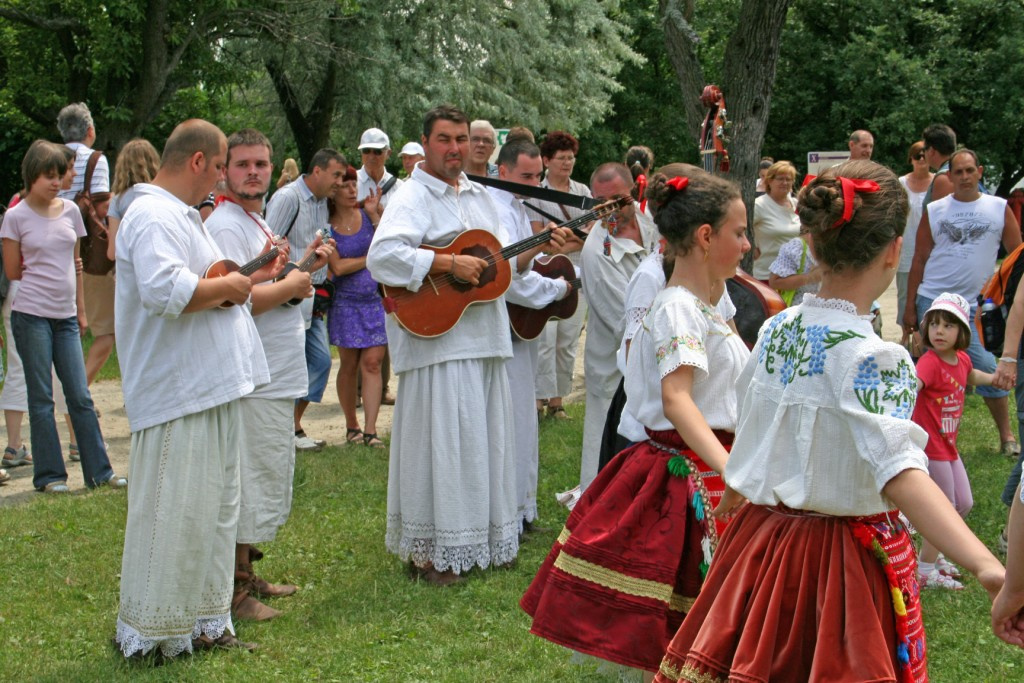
(281, 329)
(680, 329)
(824, 416)
(967, 236)
(48, 251)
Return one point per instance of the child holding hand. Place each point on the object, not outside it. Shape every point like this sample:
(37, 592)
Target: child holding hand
(943, 373)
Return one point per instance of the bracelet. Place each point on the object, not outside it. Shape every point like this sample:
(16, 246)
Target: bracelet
(1008, 359)
(452, 269)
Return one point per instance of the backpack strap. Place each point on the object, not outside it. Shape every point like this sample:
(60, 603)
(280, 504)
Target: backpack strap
(90, 168)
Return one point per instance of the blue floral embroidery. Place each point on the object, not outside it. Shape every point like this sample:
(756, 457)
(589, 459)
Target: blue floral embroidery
(898, 388)
(799, 351)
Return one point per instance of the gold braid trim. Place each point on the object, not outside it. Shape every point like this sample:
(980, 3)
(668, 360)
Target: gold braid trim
(668, 670)
(620, 582)
(630, 585)
(681, 603)
(690, 674)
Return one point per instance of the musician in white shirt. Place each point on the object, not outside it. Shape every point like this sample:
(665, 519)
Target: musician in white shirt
(453, 419)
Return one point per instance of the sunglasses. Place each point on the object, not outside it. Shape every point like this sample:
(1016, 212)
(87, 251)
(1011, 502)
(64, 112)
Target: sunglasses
(375, 152)
(481, 141)
(918, 157)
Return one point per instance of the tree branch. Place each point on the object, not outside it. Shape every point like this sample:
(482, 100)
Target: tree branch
(54, 23)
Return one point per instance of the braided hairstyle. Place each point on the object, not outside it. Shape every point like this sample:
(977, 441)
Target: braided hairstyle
(878, 217)
(678, 213)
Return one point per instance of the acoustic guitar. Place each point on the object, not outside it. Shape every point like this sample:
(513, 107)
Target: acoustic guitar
(528, 323)
(305, 264)
(225, 266)
(441, 300)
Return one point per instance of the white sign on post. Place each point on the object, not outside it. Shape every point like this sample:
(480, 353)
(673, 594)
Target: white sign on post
(819, 161)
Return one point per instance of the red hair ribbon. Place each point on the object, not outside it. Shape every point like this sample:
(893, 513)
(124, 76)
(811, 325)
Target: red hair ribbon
(850, 187)
(807, 180)
(678, 183)
(641, 190)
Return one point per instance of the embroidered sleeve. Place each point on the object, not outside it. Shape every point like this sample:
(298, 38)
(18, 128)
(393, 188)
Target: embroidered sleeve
(679, 332)
(877, 397)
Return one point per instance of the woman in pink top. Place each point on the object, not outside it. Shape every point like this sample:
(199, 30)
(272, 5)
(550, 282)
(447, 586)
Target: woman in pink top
(40, 245)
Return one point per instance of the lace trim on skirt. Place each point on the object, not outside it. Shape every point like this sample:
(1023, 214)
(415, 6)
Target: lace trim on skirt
(131, 641)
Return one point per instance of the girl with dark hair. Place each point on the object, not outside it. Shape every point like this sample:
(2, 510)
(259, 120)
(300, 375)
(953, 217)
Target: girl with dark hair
(815, 578)
(632, 556)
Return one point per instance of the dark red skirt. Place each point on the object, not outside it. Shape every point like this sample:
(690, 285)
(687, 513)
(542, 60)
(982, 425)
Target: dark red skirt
(794, 596)
(632, 556)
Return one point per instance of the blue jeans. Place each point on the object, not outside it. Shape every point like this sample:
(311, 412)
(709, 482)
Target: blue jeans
(980, 358)
(46, 343)
(318, 360)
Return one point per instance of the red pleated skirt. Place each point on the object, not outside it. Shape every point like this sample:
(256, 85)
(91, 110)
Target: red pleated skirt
(632, 556)
(795, 596)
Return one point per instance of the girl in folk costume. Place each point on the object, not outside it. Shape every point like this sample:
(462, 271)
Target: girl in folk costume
(943, 373)
(815, 579)
(634, 551)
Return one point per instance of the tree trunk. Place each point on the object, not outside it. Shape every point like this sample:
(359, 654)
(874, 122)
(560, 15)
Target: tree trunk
(750, 60)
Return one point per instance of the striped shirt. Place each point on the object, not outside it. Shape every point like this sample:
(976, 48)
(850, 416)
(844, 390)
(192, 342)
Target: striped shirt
(100, 176)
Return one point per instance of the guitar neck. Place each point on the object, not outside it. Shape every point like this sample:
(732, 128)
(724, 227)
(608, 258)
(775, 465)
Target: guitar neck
(258, 262)
(543, 236)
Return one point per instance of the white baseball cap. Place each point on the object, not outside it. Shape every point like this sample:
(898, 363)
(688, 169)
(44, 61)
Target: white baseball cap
(374, 138)
(954, 304)
(411, 148)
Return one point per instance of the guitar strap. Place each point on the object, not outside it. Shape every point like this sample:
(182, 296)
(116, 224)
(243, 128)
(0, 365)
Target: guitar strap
(544, 213)
(544, 193)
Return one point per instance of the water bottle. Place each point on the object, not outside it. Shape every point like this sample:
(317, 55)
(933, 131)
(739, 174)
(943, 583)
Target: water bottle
(993, 326)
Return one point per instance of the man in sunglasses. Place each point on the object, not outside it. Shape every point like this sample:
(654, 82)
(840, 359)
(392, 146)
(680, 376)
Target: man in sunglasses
(373, 177)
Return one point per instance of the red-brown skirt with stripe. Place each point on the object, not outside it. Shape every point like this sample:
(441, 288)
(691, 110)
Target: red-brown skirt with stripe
(628, 565)
(796, 596)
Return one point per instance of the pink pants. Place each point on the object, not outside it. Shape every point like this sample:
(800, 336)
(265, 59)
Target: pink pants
(951, 477)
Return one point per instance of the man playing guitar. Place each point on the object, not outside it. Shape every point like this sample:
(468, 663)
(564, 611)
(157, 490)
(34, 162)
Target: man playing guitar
(268, 453)
(453, 419)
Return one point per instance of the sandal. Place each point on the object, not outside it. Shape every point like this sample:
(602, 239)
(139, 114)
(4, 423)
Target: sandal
(16, 458)
(558, 413)
(353, 435)
(372, 441)
(226, 641)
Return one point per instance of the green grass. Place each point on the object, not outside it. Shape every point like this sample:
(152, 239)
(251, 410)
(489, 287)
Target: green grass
(357, 616)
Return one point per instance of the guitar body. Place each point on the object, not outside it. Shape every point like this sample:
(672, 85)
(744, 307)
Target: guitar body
(755, 302)
(528, 323)
(441, 300)
(220, 269)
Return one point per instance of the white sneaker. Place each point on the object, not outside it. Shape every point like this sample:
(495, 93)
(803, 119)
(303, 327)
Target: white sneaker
(304, 443)
(569, 498)
(946, 567)
(936, 579)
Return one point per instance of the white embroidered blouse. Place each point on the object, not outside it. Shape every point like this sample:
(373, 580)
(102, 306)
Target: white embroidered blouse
(680, 329)
(824, 418)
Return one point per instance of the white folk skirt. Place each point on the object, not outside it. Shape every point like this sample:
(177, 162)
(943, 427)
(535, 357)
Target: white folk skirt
(452, 478)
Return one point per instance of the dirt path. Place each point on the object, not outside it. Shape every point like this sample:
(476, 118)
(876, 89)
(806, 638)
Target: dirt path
(323, 420)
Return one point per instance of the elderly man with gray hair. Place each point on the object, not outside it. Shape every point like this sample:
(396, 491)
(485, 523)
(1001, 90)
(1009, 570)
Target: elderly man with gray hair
(482, 141)
(79, 133)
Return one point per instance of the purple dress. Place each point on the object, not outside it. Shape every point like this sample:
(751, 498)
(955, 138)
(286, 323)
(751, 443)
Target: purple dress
(357, 315)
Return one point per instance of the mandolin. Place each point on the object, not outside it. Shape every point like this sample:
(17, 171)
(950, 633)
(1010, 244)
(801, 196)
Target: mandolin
(305, 264)
(441, 300)
(225, 266)
(528, 323)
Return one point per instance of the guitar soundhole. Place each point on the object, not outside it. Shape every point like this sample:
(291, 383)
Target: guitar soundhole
(486, 276)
